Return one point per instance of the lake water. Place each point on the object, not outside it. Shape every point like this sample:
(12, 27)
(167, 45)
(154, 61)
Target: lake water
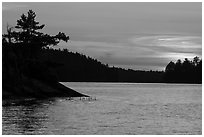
(119, 108)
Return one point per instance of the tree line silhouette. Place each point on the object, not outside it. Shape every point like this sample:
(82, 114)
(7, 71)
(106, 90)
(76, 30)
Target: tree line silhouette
(184, 72)
(69, 66)
(27, 57)
(81, 68)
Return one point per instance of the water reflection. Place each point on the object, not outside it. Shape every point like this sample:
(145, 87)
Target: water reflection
(119, 109)
(25, 116)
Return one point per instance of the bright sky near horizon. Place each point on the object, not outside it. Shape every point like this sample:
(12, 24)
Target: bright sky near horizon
(130, 35)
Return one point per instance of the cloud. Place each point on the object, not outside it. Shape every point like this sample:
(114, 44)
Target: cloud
(12, 6)
(148, 52)
(97, 50)
(103, 49)
(170, 46)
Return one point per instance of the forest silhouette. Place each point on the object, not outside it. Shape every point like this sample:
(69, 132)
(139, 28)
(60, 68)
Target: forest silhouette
(184, 72)
(29, 64)
(24, 74)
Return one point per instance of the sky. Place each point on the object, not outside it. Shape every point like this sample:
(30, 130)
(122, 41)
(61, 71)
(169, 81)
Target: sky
(135, 35)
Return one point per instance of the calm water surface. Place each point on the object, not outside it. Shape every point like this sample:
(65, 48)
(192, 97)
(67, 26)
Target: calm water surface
(119, 108)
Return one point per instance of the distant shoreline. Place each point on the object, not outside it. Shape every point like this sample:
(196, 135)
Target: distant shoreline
(124, 82)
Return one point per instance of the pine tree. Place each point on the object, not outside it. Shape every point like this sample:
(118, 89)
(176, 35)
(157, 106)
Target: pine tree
(27, 33)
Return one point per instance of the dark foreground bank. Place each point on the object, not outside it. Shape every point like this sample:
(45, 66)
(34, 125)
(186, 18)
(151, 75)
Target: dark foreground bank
(39, 89)
(24, 72)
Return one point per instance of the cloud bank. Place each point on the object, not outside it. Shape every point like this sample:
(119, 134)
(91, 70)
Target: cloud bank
(140, 52)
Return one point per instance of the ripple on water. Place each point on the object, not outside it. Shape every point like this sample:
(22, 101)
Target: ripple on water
(119, 109)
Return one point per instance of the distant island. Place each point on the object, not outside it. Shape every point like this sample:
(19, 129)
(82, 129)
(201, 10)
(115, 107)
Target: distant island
(32, 68)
